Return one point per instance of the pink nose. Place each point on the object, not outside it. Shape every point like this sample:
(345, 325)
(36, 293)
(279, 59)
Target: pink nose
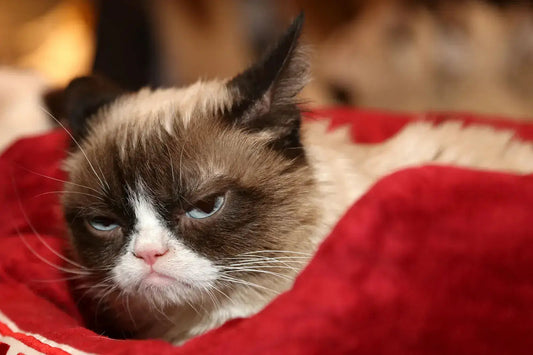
(150, 255)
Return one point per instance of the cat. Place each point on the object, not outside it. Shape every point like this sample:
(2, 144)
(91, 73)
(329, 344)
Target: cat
(187, 207)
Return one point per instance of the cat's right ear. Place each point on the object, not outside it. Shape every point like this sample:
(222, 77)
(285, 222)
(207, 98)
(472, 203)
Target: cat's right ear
(83, 97)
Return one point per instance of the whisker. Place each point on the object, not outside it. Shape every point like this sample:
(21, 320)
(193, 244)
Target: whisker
(271, 263)
(267, 261)
(55, 253)
(70, 271)
(68, 192)
(79, 146)
(171, 165)
(26, 218)
(88, 289)
(230, 270)
(238, 266)
(225, 295)
(287, 262)
(246, 283)
(60, 279)
(211, 297)
(40, 257)
(263, 257)
(59, 180)
(102, 283)
(275, 251)
(194, 308)
(181, 160)
(160, 311)
(102, 297)
(181, 168)
(128, 309)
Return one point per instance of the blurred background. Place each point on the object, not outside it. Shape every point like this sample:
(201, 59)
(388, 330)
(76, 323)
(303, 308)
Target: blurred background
(474, 56)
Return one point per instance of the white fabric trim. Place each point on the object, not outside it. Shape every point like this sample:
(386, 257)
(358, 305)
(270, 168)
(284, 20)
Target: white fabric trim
(16, 346)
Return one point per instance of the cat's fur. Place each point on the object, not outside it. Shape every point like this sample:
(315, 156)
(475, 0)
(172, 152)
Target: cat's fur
(144, 159)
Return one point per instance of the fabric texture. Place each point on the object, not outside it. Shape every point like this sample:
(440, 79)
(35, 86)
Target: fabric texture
(432, 260)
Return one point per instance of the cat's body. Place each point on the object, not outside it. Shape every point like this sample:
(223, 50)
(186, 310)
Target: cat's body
(189, 207)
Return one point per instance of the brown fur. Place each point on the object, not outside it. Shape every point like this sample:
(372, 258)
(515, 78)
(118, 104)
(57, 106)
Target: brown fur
(271, 205)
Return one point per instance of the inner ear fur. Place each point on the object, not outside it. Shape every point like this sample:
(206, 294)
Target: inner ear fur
(265, 94)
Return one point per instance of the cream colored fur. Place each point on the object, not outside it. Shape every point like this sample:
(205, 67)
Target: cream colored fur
(345, 171)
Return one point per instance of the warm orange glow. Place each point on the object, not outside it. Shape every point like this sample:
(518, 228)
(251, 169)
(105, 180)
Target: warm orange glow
(58, 44)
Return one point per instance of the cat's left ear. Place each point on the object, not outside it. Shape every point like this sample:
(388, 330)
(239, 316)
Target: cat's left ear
(265, 94)
(84, 97)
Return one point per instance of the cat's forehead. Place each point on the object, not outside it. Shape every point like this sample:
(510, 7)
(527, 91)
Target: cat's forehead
(148, 108)
(157, 135)
(154, 119)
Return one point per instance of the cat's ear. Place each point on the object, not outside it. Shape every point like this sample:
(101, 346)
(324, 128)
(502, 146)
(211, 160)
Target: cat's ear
(83, 97)
(265, 94)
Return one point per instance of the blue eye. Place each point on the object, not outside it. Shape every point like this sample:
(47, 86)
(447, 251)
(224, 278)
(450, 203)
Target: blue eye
(103, 224)
(206, 208)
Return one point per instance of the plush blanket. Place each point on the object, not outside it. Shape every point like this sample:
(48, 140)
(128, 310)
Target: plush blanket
(432, 260)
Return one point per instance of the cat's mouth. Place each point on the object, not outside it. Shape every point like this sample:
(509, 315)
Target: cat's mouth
(156, 278)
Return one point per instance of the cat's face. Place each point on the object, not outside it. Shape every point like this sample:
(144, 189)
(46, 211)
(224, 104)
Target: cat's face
(173, 192)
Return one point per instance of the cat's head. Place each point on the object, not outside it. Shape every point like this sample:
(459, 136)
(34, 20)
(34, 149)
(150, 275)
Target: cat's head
(173, 192)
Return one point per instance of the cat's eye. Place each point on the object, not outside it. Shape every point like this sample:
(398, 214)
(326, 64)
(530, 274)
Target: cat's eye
(103, 224)
(206, 208)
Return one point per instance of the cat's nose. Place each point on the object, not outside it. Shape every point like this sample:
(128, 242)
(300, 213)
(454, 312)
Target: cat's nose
(150, 254)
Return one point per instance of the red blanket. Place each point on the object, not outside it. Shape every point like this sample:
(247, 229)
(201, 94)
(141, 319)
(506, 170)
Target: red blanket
(432, 260)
